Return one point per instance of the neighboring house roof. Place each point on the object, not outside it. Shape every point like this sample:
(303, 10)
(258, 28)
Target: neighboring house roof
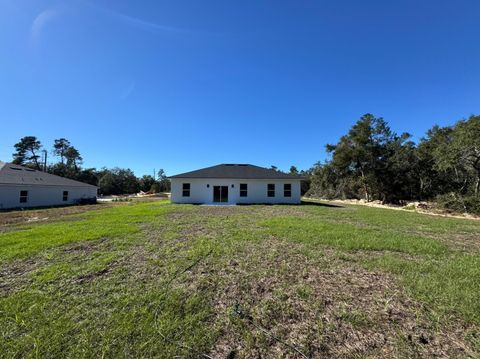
(239, 171)
(19, 175)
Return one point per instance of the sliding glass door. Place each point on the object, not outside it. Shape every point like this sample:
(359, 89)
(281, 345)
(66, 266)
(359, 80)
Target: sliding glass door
(220, 193)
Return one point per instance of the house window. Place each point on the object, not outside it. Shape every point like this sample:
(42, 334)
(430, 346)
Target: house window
(271, 190)
(243, 190)
(65, 196)
(23, 196)
(186, 190)
(287, 190)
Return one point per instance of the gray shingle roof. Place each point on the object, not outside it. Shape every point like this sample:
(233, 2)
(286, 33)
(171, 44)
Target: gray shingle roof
(19, 175)
(239, 171)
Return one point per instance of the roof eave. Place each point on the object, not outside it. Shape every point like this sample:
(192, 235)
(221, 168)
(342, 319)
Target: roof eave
(47, 185)
(240, 178)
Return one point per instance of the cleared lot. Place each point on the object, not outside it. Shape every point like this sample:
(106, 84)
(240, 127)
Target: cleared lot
(316, 280)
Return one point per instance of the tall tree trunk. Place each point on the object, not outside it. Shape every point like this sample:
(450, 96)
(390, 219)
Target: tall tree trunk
(35, 159)
(477, 184)
(365, 187)
(477, 168)
(422, 186)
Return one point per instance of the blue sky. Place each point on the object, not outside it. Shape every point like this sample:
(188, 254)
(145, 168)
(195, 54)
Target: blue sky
(186, 84)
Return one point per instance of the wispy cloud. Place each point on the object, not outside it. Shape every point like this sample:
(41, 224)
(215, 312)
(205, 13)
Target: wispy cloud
(146, 25)
(41, 21)
(127, 91)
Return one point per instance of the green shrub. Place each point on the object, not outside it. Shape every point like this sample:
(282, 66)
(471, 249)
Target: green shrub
(463, 204)
(473, 204)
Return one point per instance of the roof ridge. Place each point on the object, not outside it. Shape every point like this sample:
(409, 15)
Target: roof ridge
(11, 173)
(238, 171)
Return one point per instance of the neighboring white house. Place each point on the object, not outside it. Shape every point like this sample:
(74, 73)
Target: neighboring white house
(235, 183)
(22, 187)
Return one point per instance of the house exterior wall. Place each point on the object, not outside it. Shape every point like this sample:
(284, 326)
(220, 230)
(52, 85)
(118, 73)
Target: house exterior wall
(40, 196)
(257, 190)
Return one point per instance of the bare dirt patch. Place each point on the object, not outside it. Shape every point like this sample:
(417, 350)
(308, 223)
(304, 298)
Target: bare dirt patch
(47, 214)
(275, 295)
(419, 208)
(14, 276)
(325, 308)
(94, 275)
(17, 274)
(269, 297)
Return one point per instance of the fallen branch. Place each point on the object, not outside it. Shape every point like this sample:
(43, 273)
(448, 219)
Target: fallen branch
(174, 276)
(179, 272)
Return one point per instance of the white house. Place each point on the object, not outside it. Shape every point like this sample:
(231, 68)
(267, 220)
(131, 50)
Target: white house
(235, 183)
(22, 187)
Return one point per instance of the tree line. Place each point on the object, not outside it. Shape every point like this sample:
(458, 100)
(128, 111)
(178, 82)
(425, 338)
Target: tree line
(68, 163)
(304, 174)
(370, 162)
(374, 163)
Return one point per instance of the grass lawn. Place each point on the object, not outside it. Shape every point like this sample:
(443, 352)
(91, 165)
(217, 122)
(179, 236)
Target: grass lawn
(153, 279)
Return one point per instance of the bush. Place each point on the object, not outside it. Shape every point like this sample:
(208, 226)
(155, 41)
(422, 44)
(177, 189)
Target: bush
(473, 204)
(121, 199)
(92, 200)
(454, 203)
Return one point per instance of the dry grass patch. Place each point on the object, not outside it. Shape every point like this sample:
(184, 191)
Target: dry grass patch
(8, 218)
(239, 282)
(322, 306)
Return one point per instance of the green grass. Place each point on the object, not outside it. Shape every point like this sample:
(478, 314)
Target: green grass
(448, 279)
(111, 222)
(160, 280)
(351, 237)
(451, 284)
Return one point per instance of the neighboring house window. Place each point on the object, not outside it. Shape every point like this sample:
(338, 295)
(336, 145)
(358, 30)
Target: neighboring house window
(186, 190)
(65, 196)
(287, 190)
(271, 190)
(23, 196)
(243, 190)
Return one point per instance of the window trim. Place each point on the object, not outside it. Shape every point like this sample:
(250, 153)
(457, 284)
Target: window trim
(23, 198)
(243, 189)
(65, 195)
(186, 189)
(271, 190)
(287, 192)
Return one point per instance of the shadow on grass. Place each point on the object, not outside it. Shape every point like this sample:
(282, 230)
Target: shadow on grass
(302, 203)
(320, 204)
(37, 208)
